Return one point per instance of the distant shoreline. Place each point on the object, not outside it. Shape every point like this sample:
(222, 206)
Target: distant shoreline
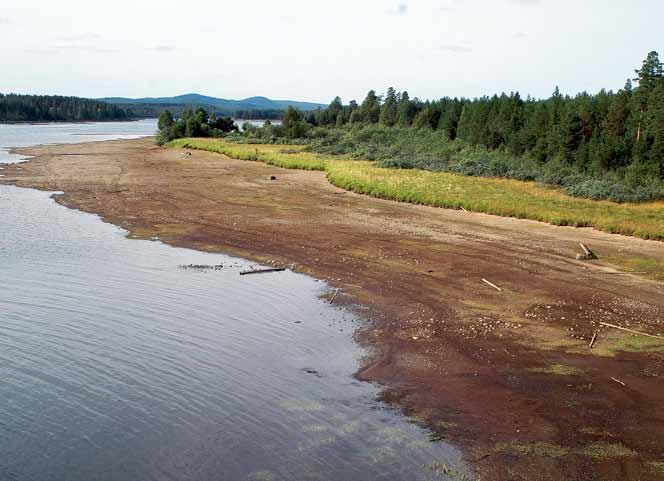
(50, 122)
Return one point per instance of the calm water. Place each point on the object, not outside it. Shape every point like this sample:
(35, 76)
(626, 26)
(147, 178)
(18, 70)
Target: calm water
(117, 364)
(25, 135)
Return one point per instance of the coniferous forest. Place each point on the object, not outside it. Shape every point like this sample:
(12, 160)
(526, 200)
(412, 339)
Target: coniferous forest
(609, 145)
(50, 108)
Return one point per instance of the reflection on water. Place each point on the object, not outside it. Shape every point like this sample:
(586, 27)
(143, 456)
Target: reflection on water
(117, 364)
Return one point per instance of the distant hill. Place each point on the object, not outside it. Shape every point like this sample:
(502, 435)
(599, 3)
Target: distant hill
(153, 105)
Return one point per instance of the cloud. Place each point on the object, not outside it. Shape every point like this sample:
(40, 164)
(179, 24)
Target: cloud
(163, 48)
(41, 51)
(449, 6)
(519, 35)
(80, 37)
(85, 48)
(399, 9)
(5, 21)
(461, 47)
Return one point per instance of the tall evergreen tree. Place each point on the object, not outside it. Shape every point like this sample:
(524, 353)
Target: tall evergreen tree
(389, 110)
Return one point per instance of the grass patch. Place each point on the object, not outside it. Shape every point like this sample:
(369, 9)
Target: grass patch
(558, 370)
(647, 266)
(285, 156)
(503, 197)
(596, 432)
(606, 450)
(609, 344)
(656, 467)
(545, 450)
(597, 450)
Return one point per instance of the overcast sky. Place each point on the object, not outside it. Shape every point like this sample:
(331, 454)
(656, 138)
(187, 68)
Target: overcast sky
(311, 50)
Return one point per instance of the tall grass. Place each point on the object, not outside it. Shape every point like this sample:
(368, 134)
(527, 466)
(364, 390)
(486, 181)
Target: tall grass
(504, 197)
(286, 156)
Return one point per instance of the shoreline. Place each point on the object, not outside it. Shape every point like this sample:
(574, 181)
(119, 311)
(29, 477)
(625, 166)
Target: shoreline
(479, 367)
(56, 122)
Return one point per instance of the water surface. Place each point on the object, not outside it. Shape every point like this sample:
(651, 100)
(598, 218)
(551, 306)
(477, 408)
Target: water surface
(26, 135)
(118, 364)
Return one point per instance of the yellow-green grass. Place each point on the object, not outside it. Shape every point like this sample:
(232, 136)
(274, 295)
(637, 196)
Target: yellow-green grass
(558, 370)
(647, 266)
(286, 156)
(504, 197)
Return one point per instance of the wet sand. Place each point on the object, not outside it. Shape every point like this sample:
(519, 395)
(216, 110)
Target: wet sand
(507, 375)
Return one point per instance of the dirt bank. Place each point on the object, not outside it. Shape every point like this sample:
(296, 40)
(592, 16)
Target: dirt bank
(507, 375)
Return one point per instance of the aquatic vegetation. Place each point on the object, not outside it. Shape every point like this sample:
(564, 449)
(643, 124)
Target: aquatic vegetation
(503, 197)
(314, 428)
(448, 472)
(349, 428)
(312, 444)
(301, 405)
(262, 475)
(390, 436)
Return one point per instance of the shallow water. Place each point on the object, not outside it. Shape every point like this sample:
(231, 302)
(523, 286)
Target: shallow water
(117, 364)
(26, 135)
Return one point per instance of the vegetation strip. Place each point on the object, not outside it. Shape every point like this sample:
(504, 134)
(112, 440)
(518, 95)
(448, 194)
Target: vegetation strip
(503, 197)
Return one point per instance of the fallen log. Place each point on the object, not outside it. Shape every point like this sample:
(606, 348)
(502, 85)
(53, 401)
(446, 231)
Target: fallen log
(618, 381)
(587, 253)
(492, 285)
(334, 296)
(632, 331)
(592, 341)
(262, 271)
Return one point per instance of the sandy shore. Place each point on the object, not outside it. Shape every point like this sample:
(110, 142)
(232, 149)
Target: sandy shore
(507, 375)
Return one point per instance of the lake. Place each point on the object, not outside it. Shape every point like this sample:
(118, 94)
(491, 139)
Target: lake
(120, 362)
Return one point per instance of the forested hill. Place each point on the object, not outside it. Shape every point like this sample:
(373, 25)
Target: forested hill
(252, 107)
(51, 108)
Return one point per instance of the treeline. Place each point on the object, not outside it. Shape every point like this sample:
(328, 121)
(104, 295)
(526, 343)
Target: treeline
(192, 123)
(154, 110)
(608, 145)
(256, 114)
(49, 108)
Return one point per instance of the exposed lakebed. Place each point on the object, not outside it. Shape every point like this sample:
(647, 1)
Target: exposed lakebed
(116, 363)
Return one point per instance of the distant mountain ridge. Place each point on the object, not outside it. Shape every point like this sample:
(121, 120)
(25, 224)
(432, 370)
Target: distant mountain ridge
(224, 105)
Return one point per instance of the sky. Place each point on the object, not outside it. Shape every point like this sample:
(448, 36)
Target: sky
(314, 50)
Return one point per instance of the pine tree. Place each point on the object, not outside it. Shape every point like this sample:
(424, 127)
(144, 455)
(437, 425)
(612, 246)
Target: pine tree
(389, 110)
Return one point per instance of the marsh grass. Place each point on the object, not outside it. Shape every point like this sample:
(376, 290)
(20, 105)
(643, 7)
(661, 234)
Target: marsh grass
(498, 196)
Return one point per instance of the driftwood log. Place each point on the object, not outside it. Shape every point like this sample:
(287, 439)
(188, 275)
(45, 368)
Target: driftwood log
(262, 271)
(587, 253)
